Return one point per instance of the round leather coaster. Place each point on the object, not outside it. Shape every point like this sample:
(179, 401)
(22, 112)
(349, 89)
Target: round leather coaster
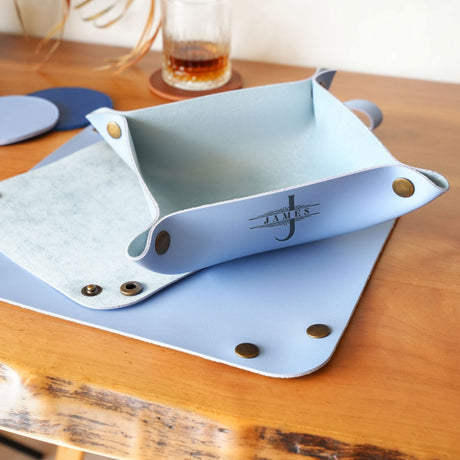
(74, 104)
(23, 117)
(158, 86)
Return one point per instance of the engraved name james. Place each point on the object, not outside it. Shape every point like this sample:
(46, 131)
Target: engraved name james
(287, 215)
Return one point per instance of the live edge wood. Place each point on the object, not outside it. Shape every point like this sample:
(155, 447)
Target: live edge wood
(392, 390)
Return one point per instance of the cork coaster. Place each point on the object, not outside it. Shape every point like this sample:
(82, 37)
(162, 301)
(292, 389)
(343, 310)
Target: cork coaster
(158, 86)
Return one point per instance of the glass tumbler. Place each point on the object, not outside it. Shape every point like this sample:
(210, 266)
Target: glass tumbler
(196, 43)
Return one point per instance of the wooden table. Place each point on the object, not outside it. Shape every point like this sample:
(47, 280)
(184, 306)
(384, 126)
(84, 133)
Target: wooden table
(392, 389)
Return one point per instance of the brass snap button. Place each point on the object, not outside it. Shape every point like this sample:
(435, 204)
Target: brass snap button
(318, 331)
(114, 130)
(131, 288)
(403, 187)
(247, 350)
(90, 290)
(162, 243)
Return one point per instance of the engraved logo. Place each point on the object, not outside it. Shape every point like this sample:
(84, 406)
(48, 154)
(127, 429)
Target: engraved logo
(288, 215)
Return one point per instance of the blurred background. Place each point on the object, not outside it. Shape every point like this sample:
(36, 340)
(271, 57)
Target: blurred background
(409, 38)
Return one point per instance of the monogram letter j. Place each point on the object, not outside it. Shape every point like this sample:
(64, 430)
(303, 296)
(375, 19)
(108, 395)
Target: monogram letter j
(291, 221)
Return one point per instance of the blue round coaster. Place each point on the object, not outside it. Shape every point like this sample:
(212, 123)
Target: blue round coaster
(74, 104)
(23, 117)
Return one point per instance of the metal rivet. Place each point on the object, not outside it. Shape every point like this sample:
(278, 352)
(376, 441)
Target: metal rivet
(247, 350)
(403, 187)
(318, 331)
(91, 290)
(114, 130)
(131, 288)
(162, 243)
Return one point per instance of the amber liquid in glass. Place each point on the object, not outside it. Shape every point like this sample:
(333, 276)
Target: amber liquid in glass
(196, 65)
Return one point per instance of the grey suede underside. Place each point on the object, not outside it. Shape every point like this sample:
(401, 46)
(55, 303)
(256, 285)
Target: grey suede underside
(69, 223)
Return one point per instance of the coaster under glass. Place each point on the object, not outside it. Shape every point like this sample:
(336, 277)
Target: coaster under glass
(159, 87)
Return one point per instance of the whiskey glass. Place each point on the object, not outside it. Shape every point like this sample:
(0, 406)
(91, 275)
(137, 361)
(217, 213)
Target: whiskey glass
(196, 43)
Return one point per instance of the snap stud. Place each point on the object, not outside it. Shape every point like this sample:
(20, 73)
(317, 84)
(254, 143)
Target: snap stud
(162, 243)
(131, 288)
(403, 187)
(318, 331)
(247, 350)
(114, 129)
(91, 290)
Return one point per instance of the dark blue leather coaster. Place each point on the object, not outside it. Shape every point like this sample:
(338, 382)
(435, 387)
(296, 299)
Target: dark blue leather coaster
(74, 104)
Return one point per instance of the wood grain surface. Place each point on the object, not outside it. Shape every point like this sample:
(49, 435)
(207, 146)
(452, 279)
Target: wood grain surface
(392, 389)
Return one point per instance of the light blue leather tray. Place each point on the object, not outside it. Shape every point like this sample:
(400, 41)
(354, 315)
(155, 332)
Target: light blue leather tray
(269, 299)
(243, 172)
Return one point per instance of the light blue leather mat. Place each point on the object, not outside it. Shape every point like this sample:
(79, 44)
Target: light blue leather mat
(268, 299)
